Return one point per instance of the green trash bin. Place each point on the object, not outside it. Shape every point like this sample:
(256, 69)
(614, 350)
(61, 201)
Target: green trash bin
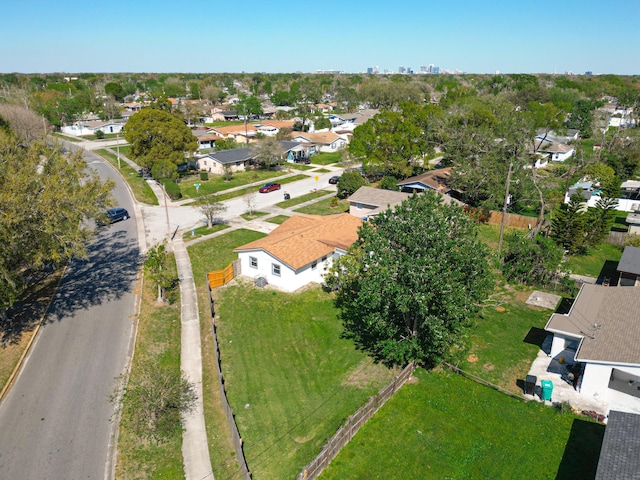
(547, 389)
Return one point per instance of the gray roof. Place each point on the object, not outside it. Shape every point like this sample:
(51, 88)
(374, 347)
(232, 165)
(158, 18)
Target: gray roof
(232, 156)
(608, 321)
(243, 154)
(620, 453)
(378, 197)
(630, 261)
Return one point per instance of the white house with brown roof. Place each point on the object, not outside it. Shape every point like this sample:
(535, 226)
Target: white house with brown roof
(300, 251)
(324, 141)
(601, 331)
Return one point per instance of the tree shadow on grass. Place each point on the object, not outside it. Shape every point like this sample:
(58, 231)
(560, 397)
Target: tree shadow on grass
(108, 272)
(582, 451)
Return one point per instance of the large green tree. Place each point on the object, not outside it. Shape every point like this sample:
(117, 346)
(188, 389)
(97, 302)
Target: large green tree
(408, 287)
(48, 203)
(157, 135)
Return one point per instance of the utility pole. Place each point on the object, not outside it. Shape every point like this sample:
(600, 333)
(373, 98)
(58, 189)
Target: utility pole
(504, 207)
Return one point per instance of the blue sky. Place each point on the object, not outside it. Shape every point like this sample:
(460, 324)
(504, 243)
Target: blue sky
(518, 36)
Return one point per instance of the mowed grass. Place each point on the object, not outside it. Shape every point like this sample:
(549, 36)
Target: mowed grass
(158, 340)
(291, 380)
(498, 351)
(326, 158)
(278, 219)
(593, 263)
(302, 198)
(141, 189)
(202, 231)
(444, 426)
(217, 183)
(325, 207)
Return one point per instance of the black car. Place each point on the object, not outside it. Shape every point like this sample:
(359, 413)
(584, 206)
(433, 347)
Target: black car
(334, 180)
(117, 214)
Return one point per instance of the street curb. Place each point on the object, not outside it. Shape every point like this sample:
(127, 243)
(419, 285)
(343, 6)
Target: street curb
(18, 367)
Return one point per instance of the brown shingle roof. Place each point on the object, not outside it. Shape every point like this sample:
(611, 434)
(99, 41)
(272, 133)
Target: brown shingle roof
(301, 239)
(608, 320)
(318, 137)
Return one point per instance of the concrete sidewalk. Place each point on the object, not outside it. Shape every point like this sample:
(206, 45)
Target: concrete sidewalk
(195, 448)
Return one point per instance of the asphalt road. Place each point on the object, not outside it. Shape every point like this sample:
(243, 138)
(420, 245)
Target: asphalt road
(55, 423)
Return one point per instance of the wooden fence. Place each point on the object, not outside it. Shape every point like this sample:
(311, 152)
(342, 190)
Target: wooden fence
(345, 433)
(616, 238)
(228, 411)
(493, 217)
(219, 278)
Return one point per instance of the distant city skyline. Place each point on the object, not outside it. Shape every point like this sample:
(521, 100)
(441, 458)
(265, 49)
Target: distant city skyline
(38, 36)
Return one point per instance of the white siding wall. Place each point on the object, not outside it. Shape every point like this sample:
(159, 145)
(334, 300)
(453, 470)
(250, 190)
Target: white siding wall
(289, 280)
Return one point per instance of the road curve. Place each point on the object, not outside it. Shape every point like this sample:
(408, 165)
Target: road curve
(55, 423)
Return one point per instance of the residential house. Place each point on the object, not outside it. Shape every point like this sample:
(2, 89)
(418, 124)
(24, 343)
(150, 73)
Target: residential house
(206, 139)
(435, 180)
(601, 331)
(299, 251)
(324, 141)
(620, 452)
(367, 202)
(235, 160)
(345, 124)
(221, 115)
(270, 128)
(629, 200)
(629, 267)
(553, 150)
(90, 127)
(239, 133)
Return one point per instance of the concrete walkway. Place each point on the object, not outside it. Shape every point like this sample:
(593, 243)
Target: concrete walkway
(195, 449)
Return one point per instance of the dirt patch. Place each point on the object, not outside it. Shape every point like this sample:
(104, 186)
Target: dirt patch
(472, 358)
(304, 439)
(500, 309)
(488, 367)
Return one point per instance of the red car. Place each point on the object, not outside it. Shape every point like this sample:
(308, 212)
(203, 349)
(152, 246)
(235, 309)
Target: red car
(269, 187)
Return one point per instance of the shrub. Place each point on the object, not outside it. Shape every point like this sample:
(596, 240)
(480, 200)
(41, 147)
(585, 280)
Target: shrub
(172, 189)
(99, 134)
(349, 182)
(204, 176)
(389, 183)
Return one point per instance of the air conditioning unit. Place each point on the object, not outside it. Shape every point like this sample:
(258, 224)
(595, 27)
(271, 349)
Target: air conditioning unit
(261, 282)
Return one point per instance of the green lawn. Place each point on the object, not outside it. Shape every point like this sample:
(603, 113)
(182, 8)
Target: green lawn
(302, 198)
(605, 256)
(324, 207)
(141, 189)
(202, 231)
(217, 253)
(498, 351)
(158, 340)
(447, 427)
(278, 219)
(217, 183)
(245, 191)
(326, 158)
(290, 378)
(247, 216)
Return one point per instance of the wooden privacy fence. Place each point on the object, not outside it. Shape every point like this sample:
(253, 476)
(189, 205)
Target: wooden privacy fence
(345, 433)
(228, 411)
(224, 276)
(493, 217)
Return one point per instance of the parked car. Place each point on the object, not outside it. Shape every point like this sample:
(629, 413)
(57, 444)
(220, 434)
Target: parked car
(117, 214)
(334, 180)
(270, 187)
(304, 160)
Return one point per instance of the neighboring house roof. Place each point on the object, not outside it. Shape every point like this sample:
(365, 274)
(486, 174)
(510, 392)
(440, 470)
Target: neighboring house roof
(325, 138)
(234, 129)
(551, 147)
(378, 198)
(301, 239)
(620, 453)
(232, 156)
(279, 123)
(608, 321)
(434, 179)
(630, 260)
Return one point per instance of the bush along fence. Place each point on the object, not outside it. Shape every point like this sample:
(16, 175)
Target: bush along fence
(345, 433)
(228, 411)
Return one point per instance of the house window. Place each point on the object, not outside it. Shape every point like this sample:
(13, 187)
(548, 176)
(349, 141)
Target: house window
(359, 206)
(275, 269)
(253, 262)
(314, 265)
